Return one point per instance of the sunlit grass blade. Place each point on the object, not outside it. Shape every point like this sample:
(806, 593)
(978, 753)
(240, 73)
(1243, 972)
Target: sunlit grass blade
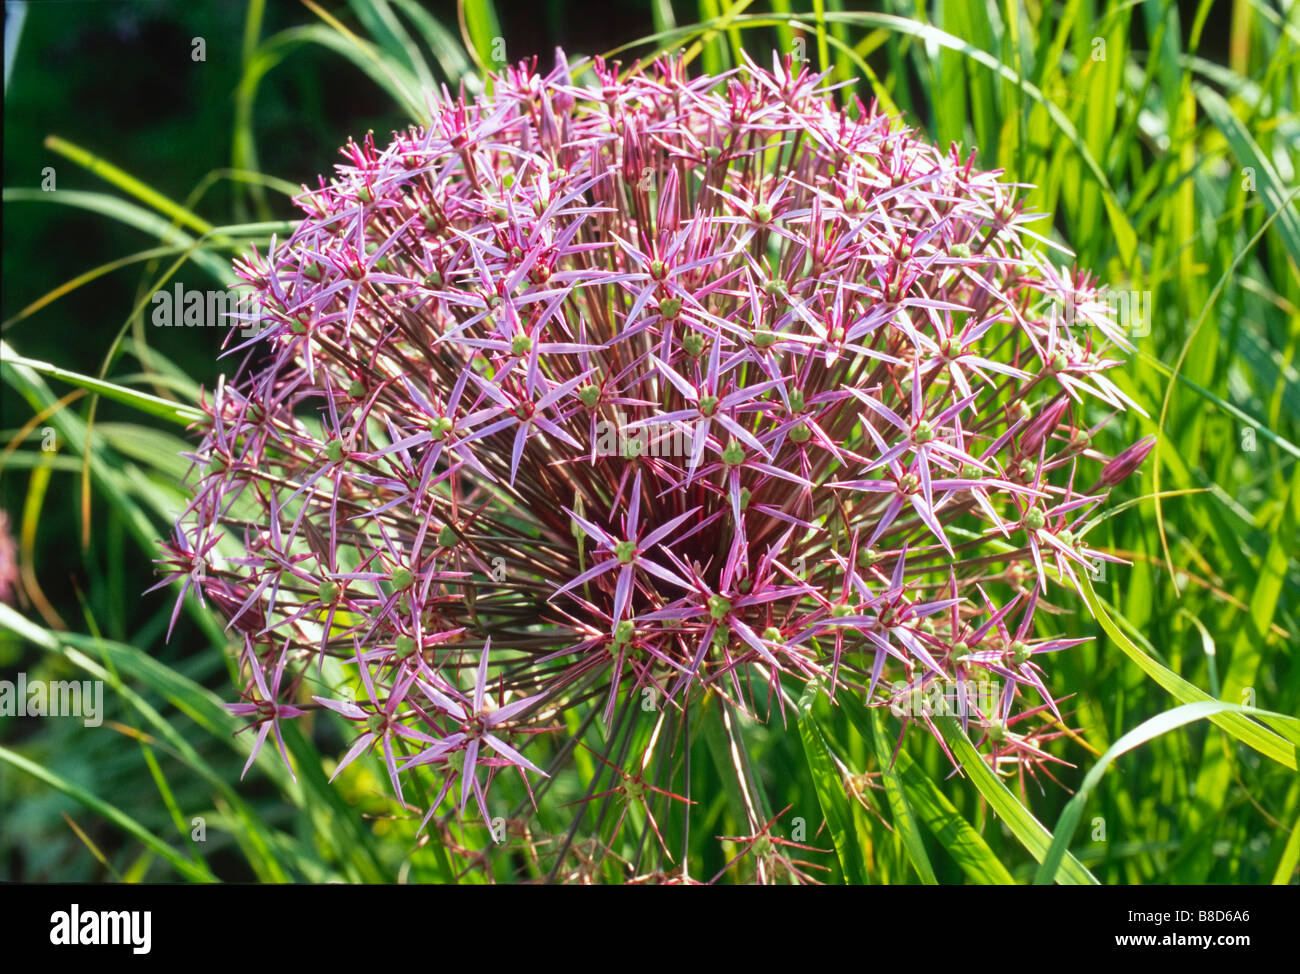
(1031, 833)
(129, 214)
(127, 183)
(480, 31)
(841, 814)
(1267, 742)
(1144, 732)
(152, 405)
(904, 821)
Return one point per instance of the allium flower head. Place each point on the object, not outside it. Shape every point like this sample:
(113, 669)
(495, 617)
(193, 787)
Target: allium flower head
(661, 383)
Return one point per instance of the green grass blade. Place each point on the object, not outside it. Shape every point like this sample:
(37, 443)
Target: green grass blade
(1031, 833)
(152, 405)
(831, 795)
(1290, 858)
(958, 838)
(1262, 739)
(904, 822)
(130, 215)
(1144, 732)
(444, 44)
(198, 873)
(482, 31)
(127, 183)
(1248, 153)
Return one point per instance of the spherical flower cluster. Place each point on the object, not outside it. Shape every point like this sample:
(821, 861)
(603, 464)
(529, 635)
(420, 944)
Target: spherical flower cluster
(659, 383)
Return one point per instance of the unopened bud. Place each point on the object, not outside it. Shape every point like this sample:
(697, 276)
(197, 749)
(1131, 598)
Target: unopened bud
(1123, 465)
